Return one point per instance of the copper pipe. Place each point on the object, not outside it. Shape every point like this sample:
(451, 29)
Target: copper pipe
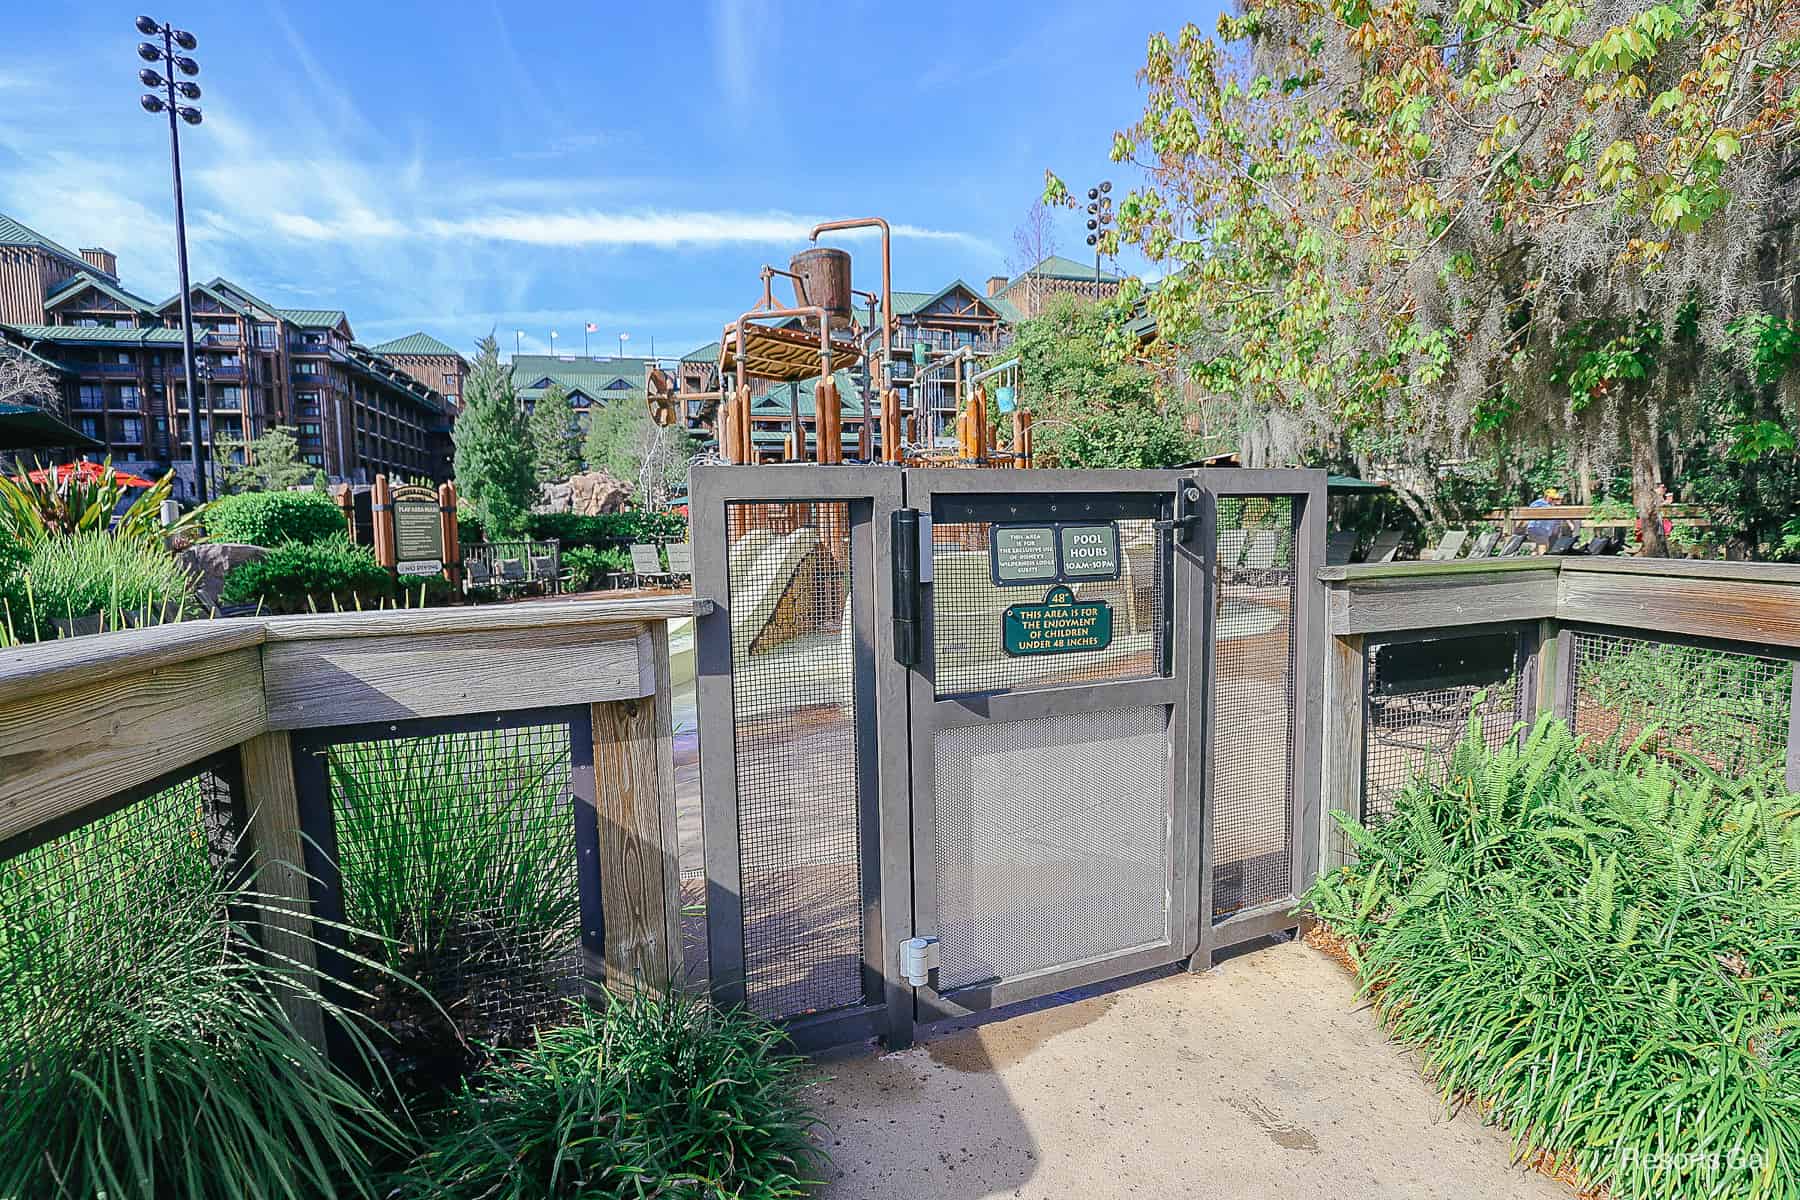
(768, 274)
(891, 453)
(737, 328)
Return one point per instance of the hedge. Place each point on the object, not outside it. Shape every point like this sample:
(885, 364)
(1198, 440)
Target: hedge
(271, 518)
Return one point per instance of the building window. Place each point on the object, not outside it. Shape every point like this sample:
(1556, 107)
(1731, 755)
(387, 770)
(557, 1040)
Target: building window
(90, 427)
(91, 395)
(123, 358)
(309, 368)
(86, 322)
(128, 395)
(265, 336)
(131, 430)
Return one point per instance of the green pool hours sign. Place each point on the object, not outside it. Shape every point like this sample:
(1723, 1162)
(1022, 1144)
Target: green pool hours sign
(1059, 552)
(1060, 625)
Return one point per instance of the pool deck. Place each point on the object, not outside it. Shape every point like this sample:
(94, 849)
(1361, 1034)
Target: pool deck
(1263, 1078)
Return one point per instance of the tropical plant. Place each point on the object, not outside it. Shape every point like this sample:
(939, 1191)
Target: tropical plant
(271, 518)
(1597, 952)
(308, 576)
(493, 447)
(270, 461)
(67, 577)
(1414, 230)
(31, 510)
(555, 438)
(144, 1051)
(1729, 710)
(458, 857)
(650, 1097)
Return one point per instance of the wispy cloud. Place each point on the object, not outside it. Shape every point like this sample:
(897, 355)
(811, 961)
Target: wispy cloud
(581, 228)
(737, 36)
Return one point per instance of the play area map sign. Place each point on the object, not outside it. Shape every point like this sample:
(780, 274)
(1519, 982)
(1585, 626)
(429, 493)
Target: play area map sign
(1060, 625)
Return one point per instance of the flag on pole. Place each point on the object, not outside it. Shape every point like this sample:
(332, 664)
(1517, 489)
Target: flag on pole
(592, 328)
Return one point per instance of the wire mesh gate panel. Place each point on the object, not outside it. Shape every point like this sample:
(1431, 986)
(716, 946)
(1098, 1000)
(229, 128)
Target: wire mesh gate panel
(97, 909)
(1252, 739)
(1728, 707)
(799, 788)
(462, 854)
(1045, 786)
(1420, 694)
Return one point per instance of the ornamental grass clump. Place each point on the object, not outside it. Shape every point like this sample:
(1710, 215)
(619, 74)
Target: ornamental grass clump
(667, 1098)
(144, 1051)
(458, 860)
(1602, 953)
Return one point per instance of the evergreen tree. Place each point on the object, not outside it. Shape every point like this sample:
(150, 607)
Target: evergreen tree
(613, 438)
(554, 442)
(271, 462)
(493, 447)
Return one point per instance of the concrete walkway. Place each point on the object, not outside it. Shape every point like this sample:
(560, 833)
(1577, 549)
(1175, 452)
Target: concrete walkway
(1260, 1079)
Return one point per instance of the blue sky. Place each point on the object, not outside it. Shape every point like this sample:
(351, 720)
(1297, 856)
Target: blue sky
(465, 166)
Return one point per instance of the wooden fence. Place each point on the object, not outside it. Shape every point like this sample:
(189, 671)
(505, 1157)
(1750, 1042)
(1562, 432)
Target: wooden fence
(84, 722)
(1553, 606)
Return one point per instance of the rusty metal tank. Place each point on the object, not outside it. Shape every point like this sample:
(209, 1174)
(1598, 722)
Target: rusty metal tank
(826, 271)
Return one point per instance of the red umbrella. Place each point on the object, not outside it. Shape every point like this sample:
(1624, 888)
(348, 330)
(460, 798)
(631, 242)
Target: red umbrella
(90, 472)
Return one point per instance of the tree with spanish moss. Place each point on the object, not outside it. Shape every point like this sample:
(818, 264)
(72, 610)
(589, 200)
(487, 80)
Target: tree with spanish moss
(1413, 231)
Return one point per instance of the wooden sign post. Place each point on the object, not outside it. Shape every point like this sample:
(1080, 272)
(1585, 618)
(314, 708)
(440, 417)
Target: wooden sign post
(415, 529)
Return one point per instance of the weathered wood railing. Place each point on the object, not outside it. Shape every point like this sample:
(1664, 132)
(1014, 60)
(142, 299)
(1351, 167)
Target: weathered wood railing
(84, 722)
(1742, 609)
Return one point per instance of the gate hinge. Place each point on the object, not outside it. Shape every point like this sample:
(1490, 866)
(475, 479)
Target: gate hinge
(918, 959)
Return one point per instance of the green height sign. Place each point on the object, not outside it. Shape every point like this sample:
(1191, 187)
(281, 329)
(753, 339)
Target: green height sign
(1060, 625)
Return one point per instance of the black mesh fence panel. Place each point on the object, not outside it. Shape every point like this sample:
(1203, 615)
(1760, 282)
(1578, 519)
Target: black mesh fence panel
(968, 606)
(96, 917)
(1728, 709)
(1421, 694)
(457, 856)
(798, 775)
(1253, 704)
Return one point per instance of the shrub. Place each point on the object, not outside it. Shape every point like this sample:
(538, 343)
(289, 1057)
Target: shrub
(71, 576)
(1600, 953)
(143, 1048)
(671, 1098)
(271, 518)
(590, 567)
(300, 576)
(609, 529)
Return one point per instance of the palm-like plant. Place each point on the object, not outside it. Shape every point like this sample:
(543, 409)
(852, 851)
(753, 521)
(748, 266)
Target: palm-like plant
(34, 509)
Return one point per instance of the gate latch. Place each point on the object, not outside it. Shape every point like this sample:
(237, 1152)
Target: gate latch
(918, 959)
(1187, 511)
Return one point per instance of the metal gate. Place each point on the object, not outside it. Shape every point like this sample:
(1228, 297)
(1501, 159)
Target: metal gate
(973, 737)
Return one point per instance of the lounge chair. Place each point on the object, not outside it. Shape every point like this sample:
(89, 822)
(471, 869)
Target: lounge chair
(646, 563)
(1384, 547)
(1512, 546)
(543, 570)
(1484, 545)
(1340, 547)
(512, 573)
(681, 559)
(1447, 549)
(477, 573)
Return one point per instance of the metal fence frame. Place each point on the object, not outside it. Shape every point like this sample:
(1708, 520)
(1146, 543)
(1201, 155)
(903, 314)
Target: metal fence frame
(318, 830)
(1523, 677)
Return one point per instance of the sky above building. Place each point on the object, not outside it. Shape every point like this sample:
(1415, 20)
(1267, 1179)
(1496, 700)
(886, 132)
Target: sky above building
(464, 167)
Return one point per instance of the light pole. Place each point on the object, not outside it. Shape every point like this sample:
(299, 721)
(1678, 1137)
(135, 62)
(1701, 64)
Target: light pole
(171, 62)
(553, 343)
(1100, 215)
(623, 338)
(518, 337)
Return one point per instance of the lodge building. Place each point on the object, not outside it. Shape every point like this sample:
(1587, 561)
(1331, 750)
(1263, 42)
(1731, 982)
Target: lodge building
(118, 361)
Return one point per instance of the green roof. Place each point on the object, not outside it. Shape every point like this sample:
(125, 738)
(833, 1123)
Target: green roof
(599, 379)
(89, 279)
(12, 233)
(313, 318)
(99, 335)
(1058, 267)
(778, 400)
(707, 353)
(418, 344)
(1008, 312)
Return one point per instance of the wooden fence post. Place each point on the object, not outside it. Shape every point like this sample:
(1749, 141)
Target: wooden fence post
(452, 537)
(381, 506)
(1346, 685)
(640, 871)
(272, 804)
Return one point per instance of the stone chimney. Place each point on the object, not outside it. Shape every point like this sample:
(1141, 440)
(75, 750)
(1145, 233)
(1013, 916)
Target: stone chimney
(102, 260)
(995, 285)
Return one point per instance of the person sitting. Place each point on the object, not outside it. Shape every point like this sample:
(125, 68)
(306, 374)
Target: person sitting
(1546, 531)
